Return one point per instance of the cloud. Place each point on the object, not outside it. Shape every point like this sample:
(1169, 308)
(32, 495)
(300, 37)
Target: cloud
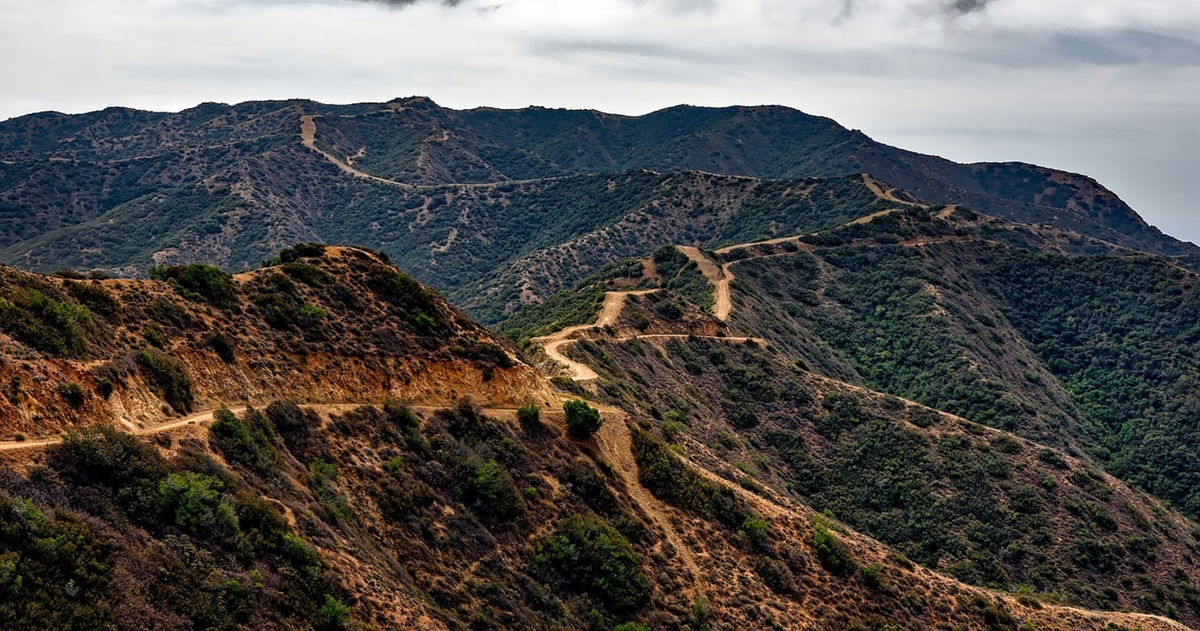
(963, 7)
(400, 4)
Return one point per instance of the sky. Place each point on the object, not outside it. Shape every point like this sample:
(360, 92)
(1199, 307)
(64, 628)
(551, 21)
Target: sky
(1109, 88)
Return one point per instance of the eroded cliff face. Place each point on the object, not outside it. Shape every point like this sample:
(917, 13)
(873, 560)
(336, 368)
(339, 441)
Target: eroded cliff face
(340, 326)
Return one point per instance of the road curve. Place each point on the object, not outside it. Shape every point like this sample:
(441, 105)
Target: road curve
(610, 310)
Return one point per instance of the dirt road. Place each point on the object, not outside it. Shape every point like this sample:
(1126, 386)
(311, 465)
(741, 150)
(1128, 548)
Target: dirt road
(719, 279)
(610, 310)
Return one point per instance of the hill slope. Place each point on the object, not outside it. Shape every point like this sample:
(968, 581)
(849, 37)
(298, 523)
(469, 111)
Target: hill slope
(530, 190)
(348, 510)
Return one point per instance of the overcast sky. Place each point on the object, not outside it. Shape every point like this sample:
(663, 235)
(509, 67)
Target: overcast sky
(1110, 88)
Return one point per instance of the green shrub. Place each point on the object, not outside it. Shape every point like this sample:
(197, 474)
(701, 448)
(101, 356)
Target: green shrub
(72, 393)
(831, 552)
(104, 456)
(302, 250)
(631, 626)
(155, 336)
(872, 575)
(701, 616)
(756, 530)
(294, 425)
(193, 502)
(321, 476)
(45, 323)
(401, 415)
(168, 375)
(582, 419)
(587, 555)
(307, 274)
(200, 282)
(311, 315)
(247, 440)
(95, 297)
(334, 614)
(54, 572)
(494, 492)
(582, 478)
(530, 416)
(668, 477)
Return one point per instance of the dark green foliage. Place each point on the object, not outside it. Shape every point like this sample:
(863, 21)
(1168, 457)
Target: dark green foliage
(582, 419)
(167, 375)
(155, 337)
(401, 415)
(294, 426)
(200, 282)
(54, 572)
(300, 251)
(203, 536)
(322, 478)
(406, 295)
(193, 502)
(306, 274)
(141, 219)
(248, 440)
(72, 393)
(587, 555)
(1118, 333)
(680, 275)
(333, 614)
(35, 316)
(756, 530)
(95, 297)
(494, 493)
(530, 417)
(582, 478)
(830, 550)
(668, 477)
(113, 459)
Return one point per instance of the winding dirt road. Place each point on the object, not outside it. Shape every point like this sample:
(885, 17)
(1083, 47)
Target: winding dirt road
(610, 310)
(718, 278)
(889, 195)
(195, 418)
(616, 445)
(308, 138)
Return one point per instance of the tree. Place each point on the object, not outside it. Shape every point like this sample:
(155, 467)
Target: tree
(583, 420)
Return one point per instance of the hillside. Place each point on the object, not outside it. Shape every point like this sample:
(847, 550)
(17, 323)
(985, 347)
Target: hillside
(887, 304)
(496, 208)
(378, 497)
(328, 325)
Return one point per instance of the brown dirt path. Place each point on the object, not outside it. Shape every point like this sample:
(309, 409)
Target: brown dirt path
(889, 195)
(207, 416)
(719, 278)
(616, 445)
(308, 138)
(610, 310)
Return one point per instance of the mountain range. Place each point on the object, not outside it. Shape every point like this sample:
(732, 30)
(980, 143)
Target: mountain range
(706, 368)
